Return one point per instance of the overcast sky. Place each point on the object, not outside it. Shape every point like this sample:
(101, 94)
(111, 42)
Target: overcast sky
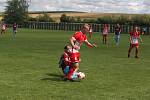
(101, 6)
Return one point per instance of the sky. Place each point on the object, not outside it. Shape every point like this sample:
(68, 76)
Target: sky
(97, 6)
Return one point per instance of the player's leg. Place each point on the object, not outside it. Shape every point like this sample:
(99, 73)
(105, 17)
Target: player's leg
(136, 51)
(76, 66)
(105, 39)
(129, 50)
(118, 39)
(1, 31)
(4, 31)
(14, 34)
(90, 33)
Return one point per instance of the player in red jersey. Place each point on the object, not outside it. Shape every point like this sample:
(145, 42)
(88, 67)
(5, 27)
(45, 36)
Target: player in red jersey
(66, 64)
(105, 33)
(64, 61)
(76, 41)
(3, 28)
(134, 41)
(14, 30)
(74, 56)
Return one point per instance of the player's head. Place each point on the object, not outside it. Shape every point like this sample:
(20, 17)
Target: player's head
(136, 28)
(85, 28)
(118, 25)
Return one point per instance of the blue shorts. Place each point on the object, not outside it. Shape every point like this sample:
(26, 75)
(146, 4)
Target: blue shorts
(66, 70)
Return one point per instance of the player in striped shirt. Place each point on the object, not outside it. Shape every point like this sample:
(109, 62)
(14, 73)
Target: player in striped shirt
(134, 41)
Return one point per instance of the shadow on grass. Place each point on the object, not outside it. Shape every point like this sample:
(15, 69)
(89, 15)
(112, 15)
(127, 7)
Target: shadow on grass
(56, 77)
(53, 77)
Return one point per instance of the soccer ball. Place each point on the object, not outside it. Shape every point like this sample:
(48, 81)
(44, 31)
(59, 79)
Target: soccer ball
(81, 75)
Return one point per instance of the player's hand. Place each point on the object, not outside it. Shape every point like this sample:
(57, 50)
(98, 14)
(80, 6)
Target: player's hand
(94, 45)
(76, 47)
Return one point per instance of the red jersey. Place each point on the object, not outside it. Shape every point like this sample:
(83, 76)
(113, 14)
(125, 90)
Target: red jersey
(74, 55)
(14, 26)
(105, 30)
(66, 58)
(79, 37)
(134, 37)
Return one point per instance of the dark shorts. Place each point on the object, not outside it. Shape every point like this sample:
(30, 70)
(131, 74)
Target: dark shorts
(104, 35)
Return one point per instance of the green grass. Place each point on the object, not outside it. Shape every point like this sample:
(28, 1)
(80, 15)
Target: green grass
(29, 70)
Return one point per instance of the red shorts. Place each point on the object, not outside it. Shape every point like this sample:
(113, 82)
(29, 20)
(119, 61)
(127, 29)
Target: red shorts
(134, 45)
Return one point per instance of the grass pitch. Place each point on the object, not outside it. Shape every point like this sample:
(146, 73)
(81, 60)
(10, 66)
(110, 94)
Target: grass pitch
(29, 69)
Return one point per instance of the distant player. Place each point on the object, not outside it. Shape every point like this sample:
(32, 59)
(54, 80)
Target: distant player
(76, 41)
(117, 31)
(14, 30)
(90, 32)
(105, 33)
(134, 41)
(3, 28)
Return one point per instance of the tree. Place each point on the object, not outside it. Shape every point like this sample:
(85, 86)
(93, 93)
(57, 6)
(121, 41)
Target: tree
(104, 20)
(64, 18)
(67, 19)
(89, 21)
(16, 11)
(45, 18)
(78, 20)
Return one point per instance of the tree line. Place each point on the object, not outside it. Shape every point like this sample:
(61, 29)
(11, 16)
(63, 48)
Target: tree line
(17, 11)
(140, 19)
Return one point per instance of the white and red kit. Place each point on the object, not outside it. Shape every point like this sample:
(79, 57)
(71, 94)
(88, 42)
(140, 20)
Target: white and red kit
(70, 57)
(105, 30)
(134, 38)
(3, 27)
(79, 37)
(66, 58)
(74, 55)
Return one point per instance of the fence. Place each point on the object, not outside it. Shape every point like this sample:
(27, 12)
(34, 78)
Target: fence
(77, 26)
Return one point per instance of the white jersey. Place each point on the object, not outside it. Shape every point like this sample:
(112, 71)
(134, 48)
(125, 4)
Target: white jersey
(3, 27)
(134, 37)
(73, 50)
(90, 30)
(134, 40)
(105, 31)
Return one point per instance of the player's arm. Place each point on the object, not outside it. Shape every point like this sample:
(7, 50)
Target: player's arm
(130, 39)
(89, 44)
(140, 39)
(72, 40)
(120, 30)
